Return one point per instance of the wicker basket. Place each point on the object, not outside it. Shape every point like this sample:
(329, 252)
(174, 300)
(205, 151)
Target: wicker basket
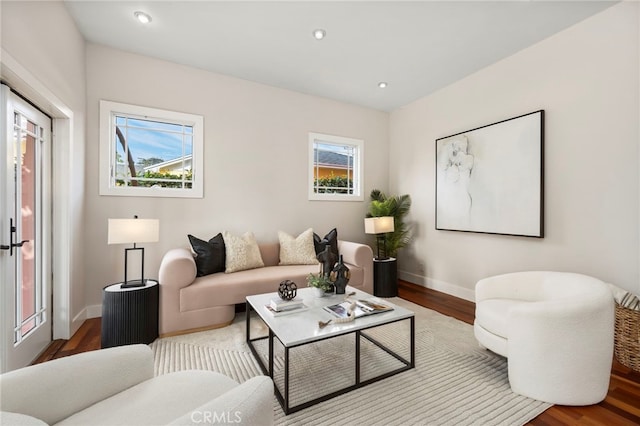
(627, 337)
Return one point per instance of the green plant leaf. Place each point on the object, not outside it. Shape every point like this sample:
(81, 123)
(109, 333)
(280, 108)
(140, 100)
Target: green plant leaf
(397, 206)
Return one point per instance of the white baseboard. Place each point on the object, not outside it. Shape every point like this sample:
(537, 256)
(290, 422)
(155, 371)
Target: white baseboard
(77, 321)
(442, 286)
(91, 311)
(94, 311)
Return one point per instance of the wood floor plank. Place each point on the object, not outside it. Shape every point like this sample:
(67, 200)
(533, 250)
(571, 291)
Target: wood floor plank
(51, 351)
(620, 408)
(86, 339)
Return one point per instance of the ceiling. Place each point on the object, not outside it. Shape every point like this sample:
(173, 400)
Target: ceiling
(417, 47)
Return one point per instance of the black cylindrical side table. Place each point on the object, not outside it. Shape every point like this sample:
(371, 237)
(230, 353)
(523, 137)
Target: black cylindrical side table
(129, 315)
(385, 277)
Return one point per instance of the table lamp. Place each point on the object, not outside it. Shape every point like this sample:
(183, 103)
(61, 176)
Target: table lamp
(379, 226)
(133, 231)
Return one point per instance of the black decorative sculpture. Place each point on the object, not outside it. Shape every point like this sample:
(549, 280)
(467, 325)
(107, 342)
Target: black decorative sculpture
(340, 276)
(327, 259)
(287, 290)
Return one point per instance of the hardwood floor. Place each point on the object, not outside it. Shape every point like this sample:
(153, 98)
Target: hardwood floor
(86, 339)
(621, 406)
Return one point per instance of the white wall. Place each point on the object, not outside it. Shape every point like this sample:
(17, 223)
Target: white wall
(44, 59)
(586, 78)
(256, 140)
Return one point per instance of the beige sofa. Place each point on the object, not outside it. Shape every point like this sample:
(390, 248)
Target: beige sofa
(189, 303)
(116, 386)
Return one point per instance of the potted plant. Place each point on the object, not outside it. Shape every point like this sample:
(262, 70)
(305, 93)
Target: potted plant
(320, 283)
(397, 206)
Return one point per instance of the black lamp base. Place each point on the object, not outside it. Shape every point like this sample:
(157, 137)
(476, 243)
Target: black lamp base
(133, 283)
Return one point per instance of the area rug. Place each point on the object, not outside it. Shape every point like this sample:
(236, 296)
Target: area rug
(455, 382)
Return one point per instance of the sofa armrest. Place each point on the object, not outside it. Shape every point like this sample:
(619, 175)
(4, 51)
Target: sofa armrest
(54, 390)
(523, 285)
(16, 419)
(359, 255)
(177, 269)
(356, 254)
(250, 403)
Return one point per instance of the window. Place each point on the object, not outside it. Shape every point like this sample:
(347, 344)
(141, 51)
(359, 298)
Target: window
(335, 168)
(150, 152)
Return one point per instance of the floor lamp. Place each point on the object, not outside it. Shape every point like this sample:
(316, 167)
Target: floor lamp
(133, 231)
(379, 226)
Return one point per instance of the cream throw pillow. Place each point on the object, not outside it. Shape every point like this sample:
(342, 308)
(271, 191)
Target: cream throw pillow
(297, 250)
(241, 252)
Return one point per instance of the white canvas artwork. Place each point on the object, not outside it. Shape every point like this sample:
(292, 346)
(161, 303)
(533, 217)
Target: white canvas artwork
(490, 179)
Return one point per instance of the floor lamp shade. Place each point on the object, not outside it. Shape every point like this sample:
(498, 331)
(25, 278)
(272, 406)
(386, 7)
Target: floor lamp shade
(133, 231)
(379, 226)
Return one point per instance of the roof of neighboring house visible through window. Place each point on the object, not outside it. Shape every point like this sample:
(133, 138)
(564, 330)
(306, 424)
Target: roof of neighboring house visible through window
(175, 161)
(333, 159)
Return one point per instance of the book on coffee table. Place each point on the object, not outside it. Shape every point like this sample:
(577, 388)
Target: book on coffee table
(363, 307)
(373, 306)
(277, 313)
(283, 305)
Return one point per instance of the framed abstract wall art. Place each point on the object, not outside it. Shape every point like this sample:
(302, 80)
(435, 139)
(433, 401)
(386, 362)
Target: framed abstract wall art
(491, 179)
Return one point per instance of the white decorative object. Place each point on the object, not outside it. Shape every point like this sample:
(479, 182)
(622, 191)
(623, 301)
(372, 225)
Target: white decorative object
(351, 316)
(318, 292)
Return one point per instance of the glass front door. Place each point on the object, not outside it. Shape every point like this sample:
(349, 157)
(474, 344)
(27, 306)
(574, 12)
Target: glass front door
(25, 229)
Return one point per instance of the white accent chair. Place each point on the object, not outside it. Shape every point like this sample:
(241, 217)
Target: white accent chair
(556, 330)
(116, 386)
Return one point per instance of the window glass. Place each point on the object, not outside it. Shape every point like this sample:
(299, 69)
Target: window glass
(335, 168)
(150, 152)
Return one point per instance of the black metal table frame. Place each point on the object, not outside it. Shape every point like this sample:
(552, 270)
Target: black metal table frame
(284, 399)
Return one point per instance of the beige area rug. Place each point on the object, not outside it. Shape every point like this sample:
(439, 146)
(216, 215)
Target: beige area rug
(455, 382)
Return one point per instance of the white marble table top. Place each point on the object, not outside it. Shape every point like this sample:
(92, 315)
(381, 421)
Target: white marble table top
(302, 327)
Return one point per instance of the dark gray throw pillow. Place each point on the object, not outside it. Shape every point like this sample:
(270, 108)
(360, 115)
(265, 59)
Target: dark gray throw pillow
(210, 256)
(331, 240)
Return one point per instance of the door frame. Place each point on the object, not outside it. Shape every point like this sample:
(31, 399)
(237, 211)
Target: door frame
(64, 236)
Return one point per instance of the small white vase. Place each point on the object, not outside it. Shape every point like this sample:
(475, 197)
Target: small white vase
(318, 292)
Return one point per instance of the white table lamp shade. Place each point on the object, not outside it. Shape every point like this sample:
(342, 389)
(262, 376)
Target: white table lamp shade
(125, 231)
(378, 225)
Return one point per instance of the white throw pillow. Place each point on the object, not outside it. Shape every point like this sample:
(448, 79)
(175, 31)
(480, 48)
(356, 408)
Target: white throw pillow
(241, 252)
(297, 250)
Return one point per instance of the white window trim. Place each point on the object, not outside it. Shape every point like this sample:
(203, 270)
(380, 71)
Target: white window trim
(358, 179)
(107, 111)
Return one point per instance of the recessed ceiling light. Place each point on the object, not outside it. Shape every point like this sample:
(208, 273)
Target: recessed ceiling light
(319, 34)
(142, 17)
(382, 84)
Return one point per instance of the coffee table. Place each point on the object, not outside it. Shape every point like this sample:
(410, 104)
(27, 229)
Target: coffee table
(301, 328)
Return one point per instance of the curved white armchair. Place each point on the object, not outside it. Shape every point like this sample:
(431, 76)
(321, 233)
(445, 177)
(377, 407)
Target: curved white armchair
(116, 386)
(556, 330)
